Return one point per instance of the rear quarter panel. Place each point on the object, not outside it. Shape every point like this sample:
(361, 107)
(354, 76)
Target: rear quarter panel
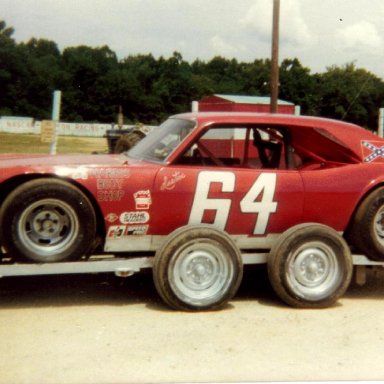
(332, 195)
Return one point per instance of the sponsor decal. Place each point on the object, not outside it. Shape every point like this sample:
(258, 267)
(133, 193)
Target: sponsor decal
(109, 172)
(80, 174)
(111, 217)
(119, 231)
(109, 184)
(136, 230)
(109, 189)
(169, 183)
(143, 199)
(116, 231)
(134, 217)
(114, 195)
(373, 151)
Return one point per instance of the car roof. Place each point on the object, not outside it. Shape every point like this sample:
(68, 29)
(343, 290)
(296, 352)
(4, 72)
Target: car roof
(266, 118)
(348, 134)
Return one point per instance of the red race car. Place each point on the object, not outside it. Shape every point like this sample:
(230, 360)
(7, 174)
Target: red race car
(203, 193)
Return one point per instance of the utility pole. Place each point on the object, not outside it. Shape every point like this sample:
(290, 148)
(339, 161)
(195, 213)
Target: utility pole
(275, 56)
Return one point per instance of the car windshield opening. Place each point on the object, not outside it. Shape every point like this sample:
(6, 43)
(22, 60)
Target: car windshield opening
(161, 142)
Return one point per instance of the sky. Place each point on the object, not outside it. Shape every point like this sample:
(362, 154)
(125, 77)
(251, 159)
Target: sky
(320, 33)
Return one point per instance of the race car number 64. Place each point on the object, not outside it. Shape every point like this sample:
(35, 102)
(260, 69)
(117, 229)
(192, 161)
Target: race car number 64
(259, 199)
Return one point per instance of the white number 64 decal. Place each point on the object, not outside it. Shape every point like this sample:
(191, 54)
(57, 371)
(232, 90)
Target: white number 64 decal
(259, 199)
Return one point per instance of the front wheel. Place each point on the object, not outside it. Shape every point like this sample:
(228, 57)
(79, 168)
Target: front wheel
(197, 268)
(47, 220)
(310, 266)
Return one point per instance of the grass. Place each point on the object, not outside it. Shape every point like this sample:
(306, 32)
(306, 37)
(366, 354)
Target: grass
(23, 143)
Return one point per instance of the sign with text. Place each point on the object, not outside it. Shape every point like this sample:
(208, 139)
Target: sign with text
(48, 131)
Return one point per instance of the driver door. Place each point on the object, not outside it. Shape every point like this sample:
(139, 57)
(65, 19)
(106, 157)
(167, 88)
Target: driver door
(220, 181)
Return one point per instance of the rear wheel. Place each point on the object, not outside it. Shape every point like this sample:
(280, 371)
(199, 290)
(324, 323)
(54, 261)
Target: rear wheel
(310, 266)
(47, 220)
(367, 231)
(197, 268)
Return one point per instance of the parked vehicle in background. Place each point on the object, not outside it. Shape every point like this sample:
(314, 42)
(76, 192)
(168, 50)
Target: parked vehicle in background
(121, 140)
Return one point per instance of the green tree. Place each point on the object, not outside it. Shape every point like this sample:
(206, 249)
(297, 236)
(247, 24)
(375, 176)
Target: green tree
(226, 75)
(203, 83)
(350, 93)
(83, 93)
(10, 67)
(95, 83)
(298, 86)
(173, 85)
(42, 75)
(136, 94)
(257, 77)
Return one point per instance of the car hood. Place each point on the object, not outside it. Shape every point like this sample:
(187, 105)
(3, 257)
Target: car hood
(17, 160)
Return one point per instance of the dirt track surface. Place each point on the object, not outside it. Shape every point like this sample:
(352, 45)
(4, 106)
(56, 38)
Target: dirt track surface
(102, 329)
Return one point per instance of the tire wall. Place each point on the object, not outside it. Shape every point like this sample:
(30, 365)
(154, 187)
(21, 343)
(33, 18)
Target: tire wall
(10, 184)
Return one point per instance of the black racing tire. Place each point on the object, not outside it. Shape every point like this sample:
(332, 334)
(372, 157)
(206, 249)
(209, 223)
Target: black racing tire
(128, 141)
(197, 268)
(47, 220)
(310, 266)
(367, 229)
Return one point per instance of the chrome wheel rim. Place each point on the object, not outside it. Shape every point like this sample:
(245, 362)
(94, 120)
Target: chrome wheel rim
(200, 272)
(313, 271)
(48, 226)
(379, 225)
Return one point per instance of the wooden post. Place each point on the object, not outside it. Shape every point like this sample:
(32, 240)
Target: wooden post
(275, 57)
(55, 118)
(380, 128)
